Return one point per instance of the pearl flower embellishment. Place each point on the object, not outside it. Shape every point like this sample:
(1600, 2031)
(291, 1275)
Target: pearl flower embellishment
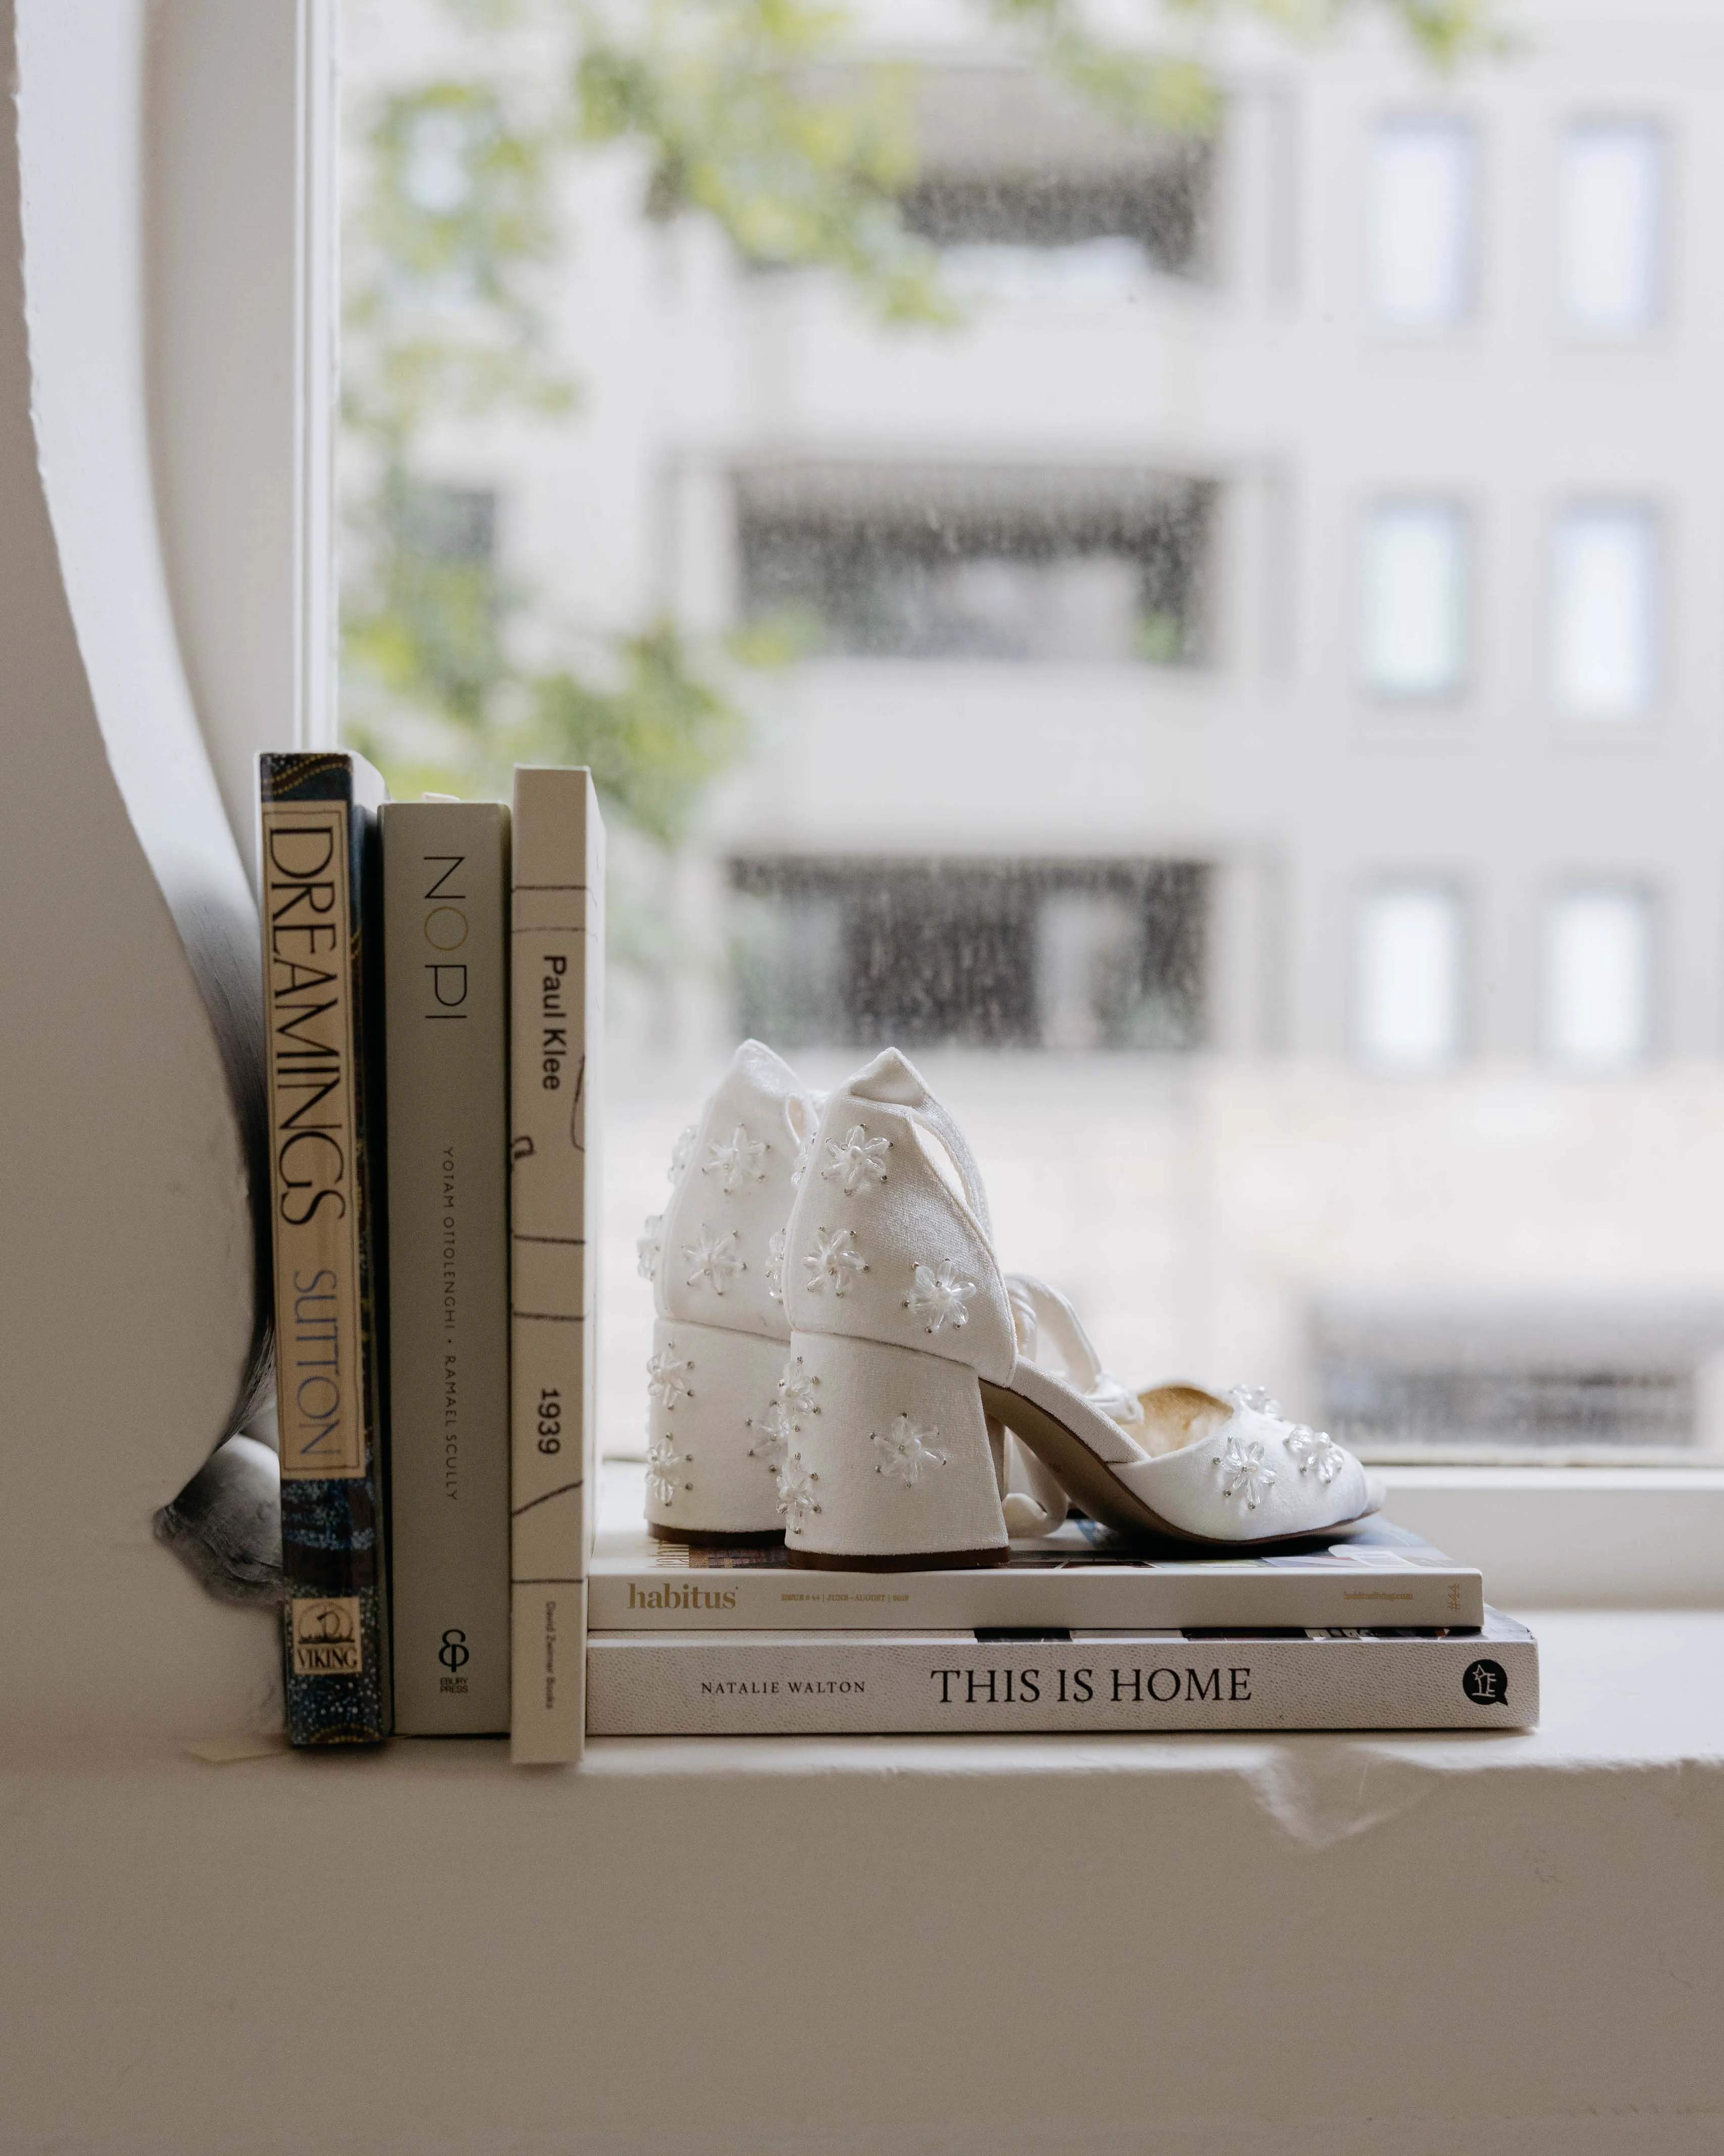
(774, 1267)
(940, 1295)
(907, 1451)
(649, 1247)
(1316, 1453)
(856, 1164)
(1243, 1473)
(735, 1160)
(667, 1377)
(663, 1460)
(773, 1430)
(797, 1390)
(713, 1259)
(796, 1494)
(834, 1259)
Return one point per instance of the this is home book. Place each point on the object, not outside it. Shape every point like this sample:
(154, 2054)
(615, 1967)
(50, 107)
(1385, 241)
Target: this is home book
(1380, 1575)
(557, 988)
(445, 904)
(783, 1684)
(320, 893)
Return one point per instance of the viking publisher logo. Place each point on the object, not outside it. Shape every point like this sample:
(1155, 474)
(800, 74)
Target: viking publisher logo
(325, 1636)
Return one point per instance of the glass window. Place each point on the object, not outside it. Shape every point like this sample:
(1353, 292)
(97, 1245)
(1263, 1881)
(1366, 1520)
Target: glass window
(1421, 241)
(1610, 242)
(1598, 978)
(1604, 611)
(963, 675)
(1409, 1008)
(1414, 600)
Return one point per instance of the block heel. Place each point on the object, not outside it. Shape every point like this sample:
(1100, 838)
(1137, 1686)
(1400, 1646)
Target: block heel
(888, 1464)
(713, 1446)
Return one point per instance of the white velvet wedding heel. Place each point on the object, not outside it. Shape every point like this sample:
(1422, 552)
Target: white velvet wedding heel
(716, 1418)
(904, 1349)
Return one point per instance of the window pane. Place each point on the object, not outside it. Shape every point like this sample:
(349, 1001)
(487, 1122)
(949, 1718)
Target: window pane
(1599, 965)
(1420, 245)
(1414, 599)
(1610, 233)
(1604, 611)
(1411, 986)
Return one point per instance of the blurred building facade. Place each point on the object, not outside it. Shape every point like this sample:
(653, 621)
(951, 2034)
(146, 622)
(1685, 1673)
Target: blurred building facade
(1270, 650)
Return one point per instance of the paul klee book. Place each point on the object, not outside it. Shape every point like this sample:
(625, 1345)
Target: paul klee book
(557, 997)
(320, 894)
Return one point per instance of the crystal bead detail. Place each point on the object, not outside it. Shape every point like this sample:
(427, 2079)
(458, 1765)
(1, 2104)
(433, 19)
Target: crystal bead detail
(773, 1429)
(907, 1451)
(680, 1151)
(667, 1378)
(735, 1160)
(834, 1260)
(1316, 1453)
(774, 1267)
(649, 1247)
(797, 1500)
(1253, 1399)
(940, 1295)
(663, 1460)
(797, 1390)
(856, 1162)
(713, 1259)
(1243, 1473)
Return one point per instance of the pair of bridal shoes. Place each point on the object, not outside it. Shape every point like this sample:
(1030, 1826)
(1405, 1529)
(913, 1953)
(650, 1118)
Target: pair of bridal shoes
(838, 1357)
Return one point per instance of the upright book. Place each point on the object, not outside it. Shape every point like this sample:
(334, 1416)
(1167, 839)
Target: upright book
(557, 988)
(445, 867)
(797, 1684)
(320, 899)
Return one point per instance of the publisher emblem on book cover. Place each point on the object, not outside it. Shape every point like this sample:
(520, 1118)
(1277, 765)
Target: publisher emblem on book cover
(325, 1636)
(1486, 1683)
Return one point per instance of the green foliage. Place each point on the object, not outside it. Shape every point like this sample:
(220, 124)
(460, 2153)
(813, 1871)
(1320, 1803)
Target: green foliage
(726, 96)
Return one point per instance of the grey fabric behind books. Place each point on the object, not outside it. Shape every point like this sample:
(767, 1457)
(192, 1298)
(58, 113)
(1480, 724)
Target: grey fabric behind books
(777, 1684)
(445, 865)
(319, 897)
(556, 1004)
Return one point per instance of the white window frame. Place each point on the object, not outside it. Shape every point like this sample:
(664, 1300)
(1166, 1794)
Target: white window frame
(1657, 127)
(242, 149)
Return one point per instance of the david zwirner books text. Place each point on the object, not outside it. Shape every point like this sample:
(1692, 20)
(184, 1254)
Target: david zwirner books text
(445, 900)
(318, 890)
(778, 1684)
(556, 998)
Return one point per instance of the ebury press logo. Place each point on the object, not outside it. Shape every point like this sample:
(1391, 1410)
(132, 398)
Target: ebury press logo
(325, 1636)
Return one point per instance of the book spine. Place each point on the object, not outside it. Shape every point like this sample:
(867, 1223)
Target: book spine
(319, 905)
(556, 991)
(703, 1685)
(645, 1597)
(445, 999)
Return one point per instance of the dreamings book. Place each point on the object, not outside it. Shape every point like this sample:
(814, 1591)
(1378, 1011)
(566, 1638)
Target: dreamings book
(320, 899)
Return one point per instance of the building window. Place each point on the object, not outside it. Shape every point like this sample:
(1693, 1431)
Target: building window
(1610, 234)
(1415, 599)
(1074, 955)
(1598, 978)
(1604, 611)
(873, 563)
(1421, 269)
(1409, 1011)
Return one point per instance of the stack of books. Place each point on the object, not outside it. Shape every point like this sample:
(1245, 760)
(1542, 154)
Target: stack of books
(1079, 1632)
(433, 997)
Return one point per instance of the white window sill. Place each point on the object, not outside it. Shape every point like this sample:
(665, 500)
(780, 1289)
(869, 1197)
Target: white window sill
(1574, 1538)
